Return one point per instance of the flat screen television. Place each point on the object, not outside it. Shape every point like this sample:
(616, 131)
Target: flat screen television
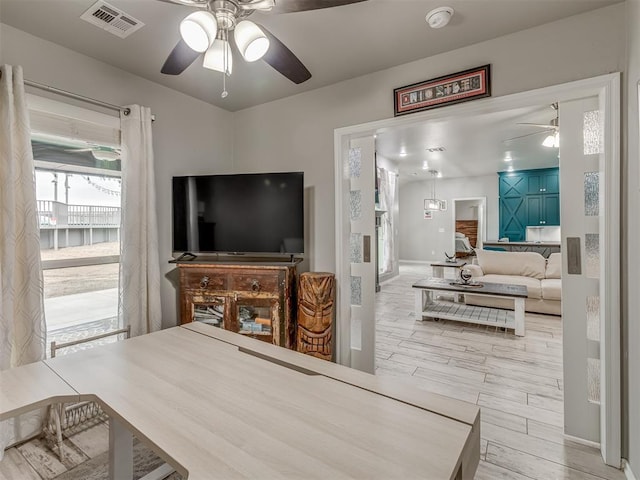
(261, 213)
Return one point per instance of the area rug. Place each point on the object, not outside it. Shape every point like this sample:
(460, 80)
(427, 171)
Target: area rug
(144, 461)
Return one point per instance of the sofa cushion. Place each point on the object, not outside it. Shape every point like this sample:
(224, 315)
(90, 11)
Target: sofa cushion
(532, 284)
(554, 266)
(527, 264)
(551, 288)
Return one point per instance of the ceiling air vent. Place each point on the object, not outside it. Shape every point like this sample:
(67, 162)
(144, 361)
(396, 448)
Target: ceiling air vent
(435, 149)
(111, 19)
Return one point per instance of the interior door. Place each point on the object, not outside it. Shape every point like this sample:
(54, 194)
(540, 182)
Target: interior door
(587, 261)
(361, 238)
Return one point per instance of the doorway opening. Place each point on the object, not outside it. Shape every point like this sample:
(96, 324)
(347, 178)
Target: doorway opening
(356, 345)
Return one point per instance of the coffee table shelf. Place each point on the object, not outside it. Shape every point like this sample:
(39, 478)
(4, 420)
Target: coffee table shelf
(471, 314)
(427, 305)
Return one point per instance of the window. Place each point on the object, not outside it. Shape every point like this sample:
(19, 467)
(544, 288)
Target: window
(77, 162)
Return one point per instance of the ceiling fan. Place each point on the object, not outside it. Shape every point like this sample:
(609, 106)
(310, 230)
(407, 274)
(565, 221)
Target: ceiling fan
(552, 129)
(110, 154)
(208, 29)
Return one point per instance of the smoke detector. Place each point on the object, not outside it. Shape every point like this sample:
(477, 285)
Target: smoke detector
(439, 17)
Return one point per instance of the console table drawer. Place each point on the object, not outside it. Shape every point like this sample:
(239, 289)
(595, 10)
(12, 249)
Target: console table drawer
(255, 282)
(204, 279)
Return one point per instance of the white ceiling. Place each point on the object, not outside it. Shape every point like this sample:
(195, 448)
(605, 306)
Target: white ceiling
(473, 145)
(335, 44)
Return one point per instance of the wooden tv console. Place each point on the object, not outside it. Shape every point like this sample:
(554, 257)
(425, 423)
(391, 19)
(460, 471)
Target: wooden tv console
(256, 299)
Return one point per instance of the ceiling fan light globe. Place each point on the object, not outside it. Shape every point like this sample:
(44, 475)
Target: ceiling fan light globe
(549, 141)
(198, 30)
(257, 49)
(251, 41)
(214, 58)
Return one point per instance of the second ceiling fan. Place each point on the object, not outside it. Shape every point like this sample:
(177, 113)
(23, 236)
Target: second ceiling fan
(208, 30)
(552, 129)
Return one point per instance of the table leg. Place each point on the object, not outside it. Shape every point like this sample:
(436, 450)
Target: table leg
(519, 316)
(120, 451)
(437, 272)
(419, 304)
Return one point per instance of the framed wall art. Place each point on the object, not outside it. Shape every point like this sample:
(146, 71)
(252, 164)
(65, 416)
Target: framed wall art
(446, 90)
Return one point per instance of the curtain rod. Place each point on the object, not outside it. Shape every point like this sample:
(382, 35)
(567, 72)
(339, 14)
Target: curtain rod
(110, 106)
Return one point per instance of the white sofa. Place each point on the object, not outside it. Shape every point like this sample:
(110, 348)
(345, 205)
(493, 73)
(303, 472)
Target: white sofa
(541, 277)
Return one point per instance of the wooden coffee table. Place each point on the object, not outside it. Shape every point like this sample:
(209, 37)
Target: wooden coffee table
(426, 304)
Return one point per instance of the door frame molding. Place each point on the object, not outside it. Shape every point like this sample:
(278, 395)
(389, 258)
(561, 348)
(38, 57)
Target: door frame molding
(607, 89)
(483, 202)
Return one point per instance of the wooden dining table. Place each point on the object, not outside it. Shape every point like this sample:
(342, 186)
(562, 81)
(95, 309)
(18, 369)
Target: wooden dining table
(215, 404)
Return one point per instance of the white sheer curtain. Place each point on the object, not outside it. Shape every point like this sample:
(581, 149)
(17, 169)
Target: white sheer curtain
(139, 304)
(22, 322)
(387, 190)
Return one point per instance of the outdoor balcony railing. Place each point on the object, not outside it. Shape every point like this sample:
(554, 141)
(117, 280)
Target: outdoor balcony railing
(60, 215)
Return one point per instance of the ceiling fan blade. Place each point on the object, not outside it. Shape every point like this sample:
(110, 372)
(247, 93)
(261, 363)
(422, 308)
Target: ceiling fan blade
(284, 60)
(265, 5)
(179, 59)
(288, 6)
(548, 130)
(541, 125)
(188, 3)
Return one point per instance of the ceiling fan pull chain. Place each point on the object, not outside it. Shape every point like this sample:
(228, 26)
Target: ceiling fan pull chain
(225, 65)
(224, 86)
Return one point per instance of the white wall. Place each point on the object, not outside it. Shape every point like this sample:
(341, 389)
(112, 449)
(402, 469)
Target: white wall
(631, 236)
(467, 209)
(425, 240)
(190, 136)
(296, 133)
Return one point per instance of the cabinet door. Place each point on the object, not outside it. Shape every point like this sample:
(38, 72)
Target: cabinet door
(512, 218)
(512, 185)
(206, 308)
(534, 210)
(534, 184)
(551, 209)
(551, 182)
(257, 317)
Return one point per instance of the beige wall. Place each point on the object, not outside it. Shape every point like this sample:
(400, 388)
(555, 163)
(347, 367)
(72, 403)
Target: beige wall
(631, 232)
(296, 133)
(190, 136)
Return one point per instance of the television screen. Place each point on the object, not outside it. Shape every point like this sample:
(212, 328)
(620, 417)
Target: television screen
(246, 213)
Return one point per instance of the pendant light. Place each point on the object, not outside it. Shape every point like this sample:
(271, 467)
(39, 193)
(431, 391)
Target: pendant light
(433, 203)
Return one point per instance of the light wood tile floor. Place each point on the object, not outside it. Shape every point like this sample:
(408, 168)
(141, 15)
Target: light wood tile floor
(516, 381)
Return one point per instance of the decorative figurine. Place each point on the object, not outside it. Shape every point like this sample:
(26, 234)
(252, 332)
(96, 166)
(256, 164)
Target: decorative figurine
(316, 295)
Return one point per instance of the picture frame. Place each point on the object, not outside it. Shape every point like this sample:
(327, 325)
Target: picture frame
(443, 205)
(437, 92)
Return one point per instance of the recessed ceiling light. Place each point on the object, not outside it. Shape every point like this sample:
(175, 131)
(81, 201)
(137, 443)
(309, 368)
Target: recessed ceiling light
(425, 166)
(403, 154)
(507, 159)
(439, 17)
(439, 174)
